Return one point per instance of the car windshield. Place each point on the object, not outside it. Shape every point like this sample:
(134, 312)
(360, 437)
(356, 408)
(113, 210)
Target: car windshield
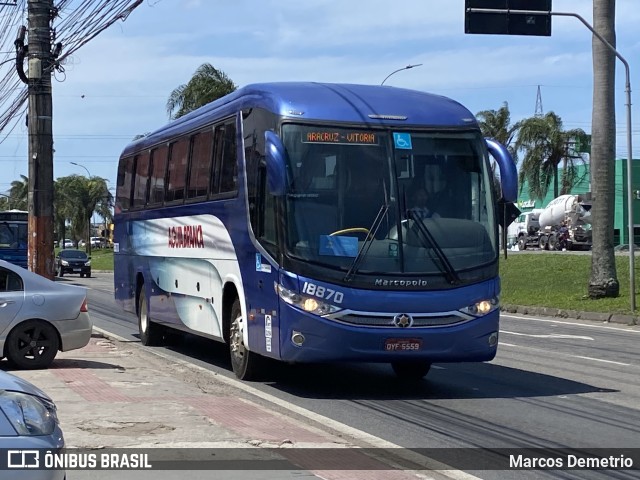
(77, 254)
(340, 178)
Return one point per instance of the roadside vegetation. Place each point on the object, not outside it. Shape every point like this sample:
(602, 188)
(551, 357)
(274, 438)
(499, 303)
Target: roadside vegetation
(558, 280)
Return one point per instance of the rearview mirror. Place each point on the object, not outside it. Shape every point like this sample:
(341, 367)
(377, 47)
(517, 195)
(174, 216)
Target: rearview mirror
(276, 157)
(508, 171)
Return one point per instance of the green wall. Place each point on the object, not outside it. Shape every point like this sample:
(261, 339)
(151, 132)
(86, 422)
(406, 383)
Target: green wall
(525, 202)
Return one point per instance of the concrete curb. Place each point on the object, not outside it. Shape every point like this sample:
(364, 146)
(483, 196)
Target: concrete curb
(561, 313)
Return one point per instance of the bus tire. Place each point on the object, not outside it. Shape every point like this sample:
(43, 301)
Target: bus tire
(245, 364)
(150, 333)
(411, 370)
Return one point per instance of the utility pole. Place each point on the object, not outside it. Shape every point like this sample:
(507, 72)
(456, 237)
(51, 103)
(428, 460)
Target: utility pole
(40, 66)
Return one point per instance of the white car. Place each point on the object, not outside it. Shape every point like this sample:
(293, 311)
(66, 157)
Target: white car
(39, 317)
(28, 424)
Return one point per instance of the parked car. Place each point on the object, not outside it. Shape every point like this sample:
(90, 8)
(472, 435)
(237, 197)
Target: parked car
(39, 317)
(98, 242)
(68, 244)
(30, 422)
(625, 248)
(73, 261)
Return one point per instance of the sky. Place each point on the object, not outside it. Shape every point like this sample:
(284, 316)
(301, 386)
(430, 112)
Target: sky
(117, 85)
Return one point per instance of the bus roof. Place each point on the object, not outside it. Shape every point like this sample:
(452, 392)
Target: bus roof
(373, 105)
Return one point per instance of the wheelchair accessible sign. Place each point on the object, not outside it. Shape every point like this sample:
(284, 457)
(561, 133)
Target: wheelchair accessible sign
(402, 141)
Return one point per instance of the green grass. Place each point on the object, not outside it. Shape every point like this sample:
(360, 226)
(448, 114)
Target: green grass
(102, 259)
(554, 280)
(559, 280)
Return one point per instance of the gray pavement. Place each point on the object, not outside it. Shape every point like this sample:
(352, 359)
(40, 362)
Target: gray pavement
(116, 394)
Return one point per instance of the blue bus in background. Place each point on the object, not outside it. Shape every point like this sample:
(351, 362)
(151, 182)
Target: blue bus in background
(280, 219)
(14, 236)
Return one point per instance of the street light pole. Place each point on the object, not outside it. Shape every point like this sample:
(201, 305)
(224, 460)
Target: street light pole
(78, 165)
(91, 217)
(400, 69)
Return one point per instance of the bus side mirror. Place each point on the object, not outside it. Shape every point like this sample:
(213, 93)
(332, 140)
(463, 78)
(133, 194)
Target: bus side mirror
(508, 171)
(276, 157)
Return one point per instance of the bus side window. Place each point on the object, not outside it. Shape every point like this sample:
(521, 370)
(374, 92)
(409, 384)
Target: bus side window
(124, 184)
(158, 171)
(141, 179)
(229, 166)
(200, 165)
(177, 174)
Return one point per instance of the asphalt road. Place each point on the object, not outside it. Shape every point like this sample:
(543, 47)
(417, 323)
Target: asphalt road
(556, 383)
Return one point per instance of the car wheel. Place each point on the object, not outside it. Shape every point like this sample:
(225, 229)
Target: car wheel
(411, 370)
(245, 364)
(88, 274)
(60, 272)
(150, 333)
(32, 344)
(82, 275)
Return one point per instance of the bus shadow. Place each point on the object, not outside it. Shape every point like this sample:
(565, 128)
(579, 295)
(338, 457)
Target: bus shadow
(379, 382)
(444, 381)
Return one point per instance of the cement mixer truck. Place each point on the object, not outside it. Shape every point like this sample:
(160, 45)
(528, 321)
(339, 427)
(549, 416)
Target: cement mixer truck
(570, 212)
(564, 223)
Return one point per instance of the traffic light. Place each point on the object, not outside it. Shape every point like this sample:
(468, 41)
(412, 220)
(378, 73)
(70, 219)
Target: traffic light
(508, 17)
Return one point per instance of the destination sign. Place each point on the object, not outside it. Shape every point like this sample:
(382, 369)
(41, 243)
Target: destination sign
(350, 138)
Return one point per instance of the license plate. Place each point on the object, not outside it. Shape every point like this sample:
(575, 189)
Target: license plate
(402, 344)
(77, 269)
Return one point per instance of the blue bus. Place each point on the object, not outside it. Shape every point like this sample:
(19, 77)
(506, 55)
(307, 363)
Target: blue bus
(279, 219)
(14, 236)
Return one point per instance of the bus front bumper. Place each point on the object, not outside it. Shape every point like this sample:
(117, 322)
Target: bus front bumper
(307, 338)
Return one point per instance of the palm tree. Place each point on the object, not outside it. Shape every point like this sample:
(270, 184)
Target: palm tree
(206, 85)
(546, 146)
(19, 193)
(603, 281)
(497, 124)
(77, 198)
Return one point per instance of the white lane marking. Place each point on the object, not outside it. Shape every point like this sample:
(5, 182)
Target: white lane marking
(550, 335)
(376, 442)
(603, 361)
(502, 344)
(621, 328)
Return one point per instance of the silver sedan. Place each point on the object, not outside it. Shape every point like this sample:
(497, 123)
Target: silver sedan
(39, 317)
(28, 428)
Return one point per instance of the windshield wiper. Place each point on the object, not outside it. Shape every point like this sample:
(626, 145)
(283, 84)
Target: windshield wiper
(443, 264)
(366, 245)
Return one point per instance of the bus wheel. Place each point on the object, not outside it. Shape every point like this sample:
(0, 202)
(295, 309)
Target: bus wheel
(411, 370)
(245, 364)
(150, 333)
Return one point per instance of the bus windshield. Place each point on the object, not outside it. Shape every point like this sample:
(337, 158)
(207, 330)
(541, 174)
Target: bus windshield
(14, 237)
(392, 202)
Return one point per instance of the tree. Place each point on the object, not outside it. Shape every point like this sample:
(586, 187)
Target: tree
(603, 281)
(497, 124)
(19, 193)
(206, 85)
(76, 199)
(547, 146)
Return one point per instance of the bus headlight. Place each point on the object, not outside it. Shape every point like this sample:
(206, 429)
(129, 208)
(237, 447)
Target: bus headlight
(482, 307)
(306, 302)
